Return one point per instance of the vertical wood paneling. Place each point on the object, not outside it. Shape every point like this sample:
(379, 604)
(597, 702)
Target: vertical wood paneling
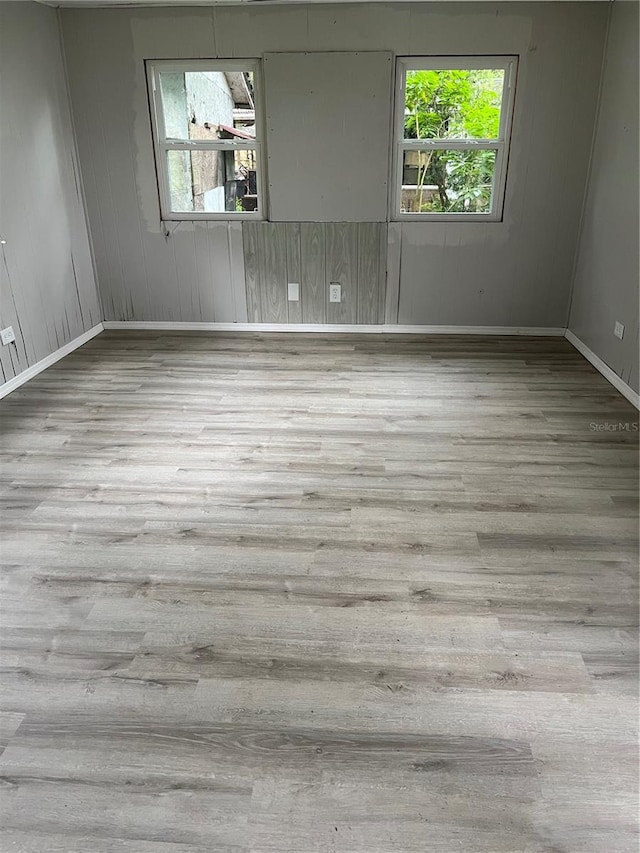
(203, 269)
(99, 230)
(606, 275)
(273, 277)
(382, 270)
(109, 260)
(164, 298)
(293, 269)
(312, 264)
(394, 249)
(315, 254)
(236, 261)
(368, 277)
(48, 292)
(223, 301)
(82, 262)
(13, 358)
(252, 270)
(341, 252)
(118, 257)
(184, 252)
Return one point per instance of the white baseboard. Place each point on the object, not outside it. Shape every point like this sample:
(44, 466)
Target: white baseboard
(526, 331)
(48, 360)
(609, 374)
(382, 329)
(164, 326)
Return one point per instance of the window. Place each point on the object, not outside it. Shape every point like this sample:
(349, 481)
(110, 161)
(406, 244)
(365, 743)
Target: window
(206, 137)
(453, 124)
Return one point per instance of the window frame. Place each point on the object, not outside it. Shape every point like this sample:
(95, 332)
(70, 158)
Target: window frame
(162, 144)
(501, 145)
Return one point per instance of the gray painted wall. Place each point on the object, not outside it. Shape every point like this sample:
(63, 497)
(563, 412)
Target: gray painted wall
(512, 273)
(606, 280)
(328, 135)
(47, 286)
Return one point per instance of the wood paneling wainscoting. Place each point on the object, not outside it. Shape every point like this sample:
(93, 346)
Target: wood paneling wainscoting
(314, 254)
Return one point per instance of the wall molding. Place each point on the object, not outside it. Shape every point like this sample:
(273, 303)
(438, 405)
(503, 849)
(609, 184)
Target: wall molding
(335, 328)
(48, 360)
(527, 331)
(609, 374)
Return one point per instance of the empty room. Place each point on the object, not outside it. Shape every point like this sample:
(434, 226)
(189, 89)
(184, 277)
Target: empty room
(319, 426)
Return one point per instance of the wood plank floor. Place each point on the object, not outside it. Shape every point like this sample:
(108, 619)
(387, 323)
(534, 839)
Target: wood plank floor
(304, 593)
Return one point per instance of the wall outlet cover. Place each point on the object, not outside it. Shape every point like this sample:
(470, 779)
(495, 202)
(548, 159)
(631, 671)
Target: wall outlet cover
(7, 336)
(293, 291)
(335, 292)
(618, 330)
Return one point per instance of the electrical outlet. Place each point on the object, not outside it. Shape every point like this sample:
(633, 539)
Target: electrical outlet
(293, 291)
(7, 336)
(618, 330)
(335, 292)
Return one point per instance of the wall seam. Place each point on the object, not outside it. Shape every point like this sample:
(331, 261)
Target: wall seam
(75, 160)
(587, 183)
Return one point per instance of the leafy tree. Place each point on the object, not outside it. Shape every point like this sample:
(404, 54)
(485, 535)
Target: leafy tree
(458, 104)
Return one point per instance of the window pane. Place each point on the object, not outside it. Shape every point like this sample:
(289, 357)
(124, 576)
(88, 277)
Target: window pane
(447, 181)
(208, 104)
(453, 104)
(213, 181)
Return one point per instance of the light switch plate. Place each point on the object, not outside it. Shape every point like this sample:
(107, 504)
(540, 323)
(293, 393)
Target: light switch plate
(618, 330)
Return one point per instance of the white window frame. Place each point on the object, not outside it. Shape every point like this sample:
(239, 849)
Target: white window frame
(499, 145)
(162, 144)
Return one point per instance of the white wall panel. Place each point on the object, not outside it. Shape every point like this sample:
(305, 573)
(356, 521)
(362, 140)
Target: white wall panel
(328, 135)
(48, 289)
(518, 271)
(606, 282)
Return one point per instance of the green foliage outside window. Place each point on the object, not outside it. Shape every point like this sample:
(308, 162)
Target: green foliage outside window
(454, 104)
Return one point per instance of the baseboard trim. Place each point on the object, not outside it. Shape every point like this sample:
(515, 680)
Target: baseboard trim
(164, 326)
(526, 331)
(48, 360)
(381, 329)
(609, 374)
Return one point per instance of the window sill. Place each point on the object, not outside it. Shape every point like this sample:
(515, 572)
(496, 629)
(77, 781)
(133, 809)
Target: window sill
(212, 217)
(447, 217)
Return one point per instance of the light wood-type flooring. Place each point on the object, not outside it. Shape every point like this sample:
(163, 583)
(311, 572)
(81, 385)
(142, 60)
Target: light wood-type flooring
(288, 594)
